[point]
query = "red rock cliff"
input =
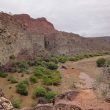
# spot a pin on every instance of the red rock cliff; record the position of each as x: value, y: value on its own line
x: 40, y: 25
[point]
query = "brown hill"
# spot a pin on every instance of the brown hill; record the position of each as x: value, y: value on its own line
x: 25, y: 37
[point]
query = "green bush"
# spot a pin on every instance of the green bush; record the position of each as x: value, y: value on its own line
x: 38, y: 61
x: 51, y: 81
x: 33, y: 79
x: 54, y: 59
x: 71, y: 59
x: 12, y: 79
x: 25, y: 81
x: 39, y: 72
x: 62, y: 59
x: 43, y: 92
x: 53, y: 78
x: 22, y: 88
x: 50, y: 95
x: 101, y: 62
x: 40, y: 92
x: 52, y: 66
x: 19, y: 66
x: 31, y: 63
x: 3, y: 75
x: 15, y: 102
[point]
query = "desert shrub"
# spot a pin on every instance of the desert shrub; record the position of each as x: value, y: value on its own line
x: 40, y: 92
x: 12, y: 79
x: 22, y: 88
x: 31, y: 63
x: 71, y: 58
x: 79, y: 57
x: 50, y: 95
x: 39, y: 72
x: 18, y: 66
x: 76, y: 58
x: 33, y: 79
x: 44, y: 64
x: 3, y: 75
x: 15, y: 102
x: 46, y: 58
x: 51, y: 81
x: 38, y: 61
x: 47, y: 81
x: 53, y: 78
x: 54, y: 59
x: 52, y: 66
x: 25, y: 81
x: 62, y: 59
x: 22, y: 66
x: 43, y: 92
x: 50, y: 77
x: 101, y: 62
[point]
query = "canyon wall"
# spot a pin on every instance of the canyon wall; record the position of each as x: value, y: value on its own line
x: 26, y: 37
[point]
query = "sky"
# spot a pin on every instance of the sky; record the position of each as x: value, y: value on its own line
x: 84, y: 17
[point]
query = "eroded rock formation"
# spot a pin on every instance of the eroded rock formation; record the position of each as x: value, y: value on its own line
x: 25, y: 37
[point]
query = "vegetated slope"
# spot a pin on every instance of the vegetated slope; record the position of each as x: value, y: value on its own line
x: 25, y: 37
x: 77, y: 93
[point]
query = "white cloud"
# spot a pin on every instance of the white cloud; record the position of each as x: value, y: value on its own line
x: 80, y: 16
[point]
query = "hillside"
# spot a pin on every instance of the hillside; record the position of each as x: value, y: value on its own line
x: 26, y: 37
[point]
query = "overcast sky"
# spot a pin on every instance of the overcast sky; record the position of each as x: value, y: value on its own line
x: 85, y: 17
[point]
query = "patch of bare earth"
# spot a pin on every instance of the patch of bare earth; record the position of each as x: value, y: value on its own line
x: 80, y: 76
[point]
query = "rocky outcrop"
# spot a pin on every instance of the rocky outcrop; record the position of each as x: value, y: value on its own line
x: 25, y: 38
x: 5, y: 104
x: 59, y: 106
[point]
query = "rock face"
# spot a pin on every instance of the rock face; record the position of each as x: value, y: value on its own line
x: 25, y: 37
